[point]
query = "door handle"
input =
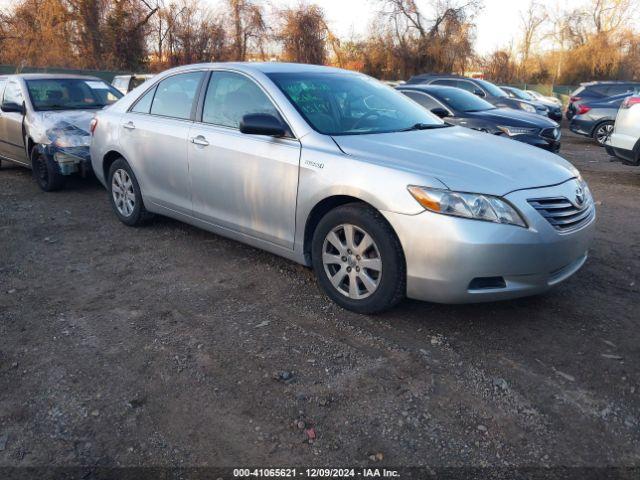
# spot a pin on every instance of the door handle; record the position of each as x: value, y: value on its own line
x: 129, y: 126
x: 199, y: 140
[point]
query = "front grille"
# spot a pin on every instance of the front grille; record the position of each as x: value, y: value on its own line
x: 562, y: 214
x: 552, y: 133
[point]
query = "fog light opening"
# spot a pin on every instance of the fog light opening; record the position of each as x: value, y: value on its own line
x: 487, y: 283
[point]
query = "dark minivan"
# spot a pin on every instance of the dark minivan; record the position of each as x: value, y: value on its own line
x: 595, y: 119
x: 590, y: 91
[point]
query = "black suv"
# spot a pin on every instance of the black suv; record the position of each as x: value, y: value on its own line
x: 590, y: 91
x: 487, y: 90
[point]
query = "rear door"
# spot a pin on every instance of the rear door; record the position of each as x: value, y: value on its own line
x: 246, y: 183
x: 11, y: 134
x: 153, y: 136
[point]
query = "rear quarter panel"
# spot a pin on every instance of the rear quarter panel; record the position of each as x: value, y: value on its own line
x: 104, y: 140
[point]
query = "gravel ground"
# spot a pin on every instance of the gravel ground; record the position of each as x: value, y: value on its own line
x: 170, y: 346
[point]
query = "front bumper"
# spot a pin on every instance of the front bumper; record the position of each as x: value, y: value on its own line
x: 555, y: 115
x: 550, y: 144
x: 446, y: 255
x: 70, y: 160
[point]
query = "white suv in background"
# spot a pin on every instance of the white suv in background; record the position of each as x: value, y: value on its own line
x: 624, y: 142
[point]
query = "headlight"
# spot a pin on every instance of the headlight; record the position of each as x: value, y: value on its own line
x: 528, y: 108
x: 513, y: 131
x: 468, y: 205
x: 67, y: 141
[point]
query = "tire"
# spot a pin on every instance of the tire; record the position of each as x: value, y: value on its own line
x: 126, y: 200
x: 367, y: 290
x: 46, y: 172
x: 602, y: 132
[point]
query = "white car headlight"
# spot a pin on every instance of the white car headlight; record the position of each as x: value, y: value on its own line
x: 513, y: 131
x: 475, y: 206
x: 527, y: 107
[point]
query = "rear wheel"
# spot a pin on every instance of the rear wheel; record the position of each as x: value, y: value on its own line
x: 358, y: 259
x: 125, y: 194
x: 602, y: 133
x: 46, y: 172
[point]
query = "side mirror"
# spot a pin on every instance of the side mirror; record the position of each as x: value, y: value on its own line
x: 13, y: 107
x: 479, y: 93
x: 440, y: 112
x: 262, y: 124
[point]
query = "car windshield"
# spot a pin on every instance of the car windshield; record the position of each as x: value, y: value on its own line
x: 351, y: 104
x: 491, y: 88
x: 461, y: 100
x: 70, y: 94
x: 522, y: 95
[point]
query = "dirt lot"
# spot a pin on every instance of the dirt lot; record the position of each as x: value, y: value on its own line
x: 170, y: 346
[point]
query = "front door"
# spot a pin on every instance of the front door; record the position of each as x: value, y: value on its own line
x: 247, y: 183
x: 153, y: 135
x: 11, y: 137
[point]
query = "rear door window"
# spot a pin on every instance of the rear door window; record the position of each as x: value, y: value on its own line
x: 423, y: 99
x: 446, y: 81
x: 598, y: 90
x: 618, y: 89
x: 175, y: 95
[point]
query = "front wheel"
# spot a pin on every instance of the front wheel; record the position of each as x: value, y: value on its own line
x: 46, y: 172
x: 602, y: 133
x: 358, y: 259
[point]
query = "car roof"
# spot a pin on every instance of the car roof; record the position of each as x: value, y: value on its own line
x: 428, y: 88
x: 440, y: 75
x: 266, y: 67
x: 609, y: 82
x: 46, y: 76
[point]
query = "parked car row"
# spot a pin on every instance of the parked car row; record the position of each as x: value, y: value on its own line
x: 329, y: 168
x: 552, y: 109
x: 482, y: 88
x: 460, y: 107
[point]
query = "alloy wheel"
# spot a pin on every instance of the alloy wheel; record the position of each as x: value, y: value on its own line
x: 603, y: 133
x: 352, y: 261
x: 124, y: 196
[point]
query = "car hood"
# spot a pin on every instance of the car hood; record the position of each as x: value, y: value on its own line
x: 509, y: 116
x: 463, y: 159
x: 60, y: 120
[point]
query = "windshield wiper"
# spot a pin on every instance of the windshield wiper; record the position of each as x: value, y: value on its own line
x: 425, y: 126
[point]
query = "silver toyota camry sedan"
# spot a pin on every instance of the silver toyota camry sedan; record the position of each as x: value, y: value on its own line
x: 337, y: 171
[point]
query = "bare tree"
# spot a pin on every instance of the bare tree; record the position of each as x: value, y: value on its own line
x: 442, y: 42
x: 248, y: 27
x: 303, y: 34
x: 531, y: 22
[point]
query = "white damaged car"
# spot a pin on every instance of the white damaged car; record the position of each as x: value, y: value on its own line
x: 45, y: 121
